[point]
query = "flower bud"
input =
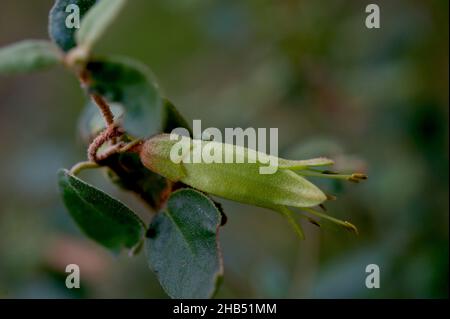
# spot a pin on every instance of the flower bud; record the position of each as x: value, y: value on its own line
x: 241, y: 182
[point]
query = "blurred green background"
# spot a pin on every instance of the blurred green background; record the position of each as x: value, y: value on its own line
x: 375, y: 100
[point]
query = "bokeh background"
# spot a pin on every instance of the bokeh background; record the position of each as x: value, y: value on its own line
x: 375, y: 100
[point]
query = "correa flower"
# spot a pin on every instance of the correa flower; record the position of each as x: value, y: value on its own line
x: 243, y: 181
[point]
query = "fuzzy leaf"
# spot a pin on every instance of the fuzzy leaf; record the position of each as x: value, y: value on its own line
x: 59, y: 33
x: 182, y: 246
x: 28, y: 56
x: 101, y: 217
x: 132, y: 85
x: 97, y: 21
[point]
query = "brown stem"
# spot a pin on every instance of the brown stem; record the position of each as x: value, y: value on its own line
x: 110, y: 151
x: 109, y: 133
x: 132, y: 147
x: 104, y: 108
x: 83, y: 76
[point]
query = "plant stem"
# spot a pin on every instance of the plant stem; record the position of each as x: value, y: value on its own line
x: 81, y: 166
x: 130, y: 145
x: 103, y: 106
x: 108, y: 116
x: 109, y: 133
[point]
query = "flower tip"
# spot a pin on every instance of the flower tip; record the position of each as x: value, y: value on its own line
x: 314, y: 222
x: 351, y: 227
x: 359, y: 176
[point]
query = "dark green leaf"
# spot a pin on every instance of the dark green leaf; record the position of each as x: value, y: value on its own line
x: 101, y: 217
x: 97, y: 21
x: 27, y: 56
x: 59, y: 33
x: 182, y: 246
x: 132, y: 85
x: 173, y: 119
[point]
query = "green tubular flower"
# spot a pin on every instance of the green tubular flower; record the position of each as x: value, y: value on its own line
x: 242, y: 181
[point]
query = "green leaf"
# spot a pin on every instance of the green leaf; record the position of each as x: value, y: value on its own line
x: 182, y: 246
x: 101, y: 217
x: 59, y: 33
x: 97, y: 21
x: 28, y: 56
x: 132, y: 85
x: 173, y: 118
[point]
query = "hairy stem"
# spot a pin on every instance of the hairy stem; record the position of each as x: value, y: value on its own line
x: 104, y: 108
x: 101, y: 103
x: 111, y: 132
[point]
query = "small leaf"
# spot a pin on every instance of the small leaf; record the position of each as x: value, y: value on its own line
x: 182, y: 246
x: 63, y: 36
x: 132, y: 85
x: 97, y: 21
x: 28, y: 56
x: 173, y: 118
x: 101, y: 217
